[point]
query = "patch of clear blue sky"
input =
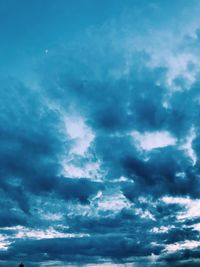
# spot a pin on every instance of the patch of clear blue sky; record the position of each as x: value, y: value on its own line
x: 28, y: 27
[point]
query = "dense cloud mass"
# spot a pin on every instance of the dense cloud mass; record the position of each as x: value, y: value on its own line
x: 99, y: 133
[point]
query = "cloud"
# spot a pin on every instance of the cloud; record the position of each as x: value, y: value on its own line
x: 153, y: 140
x: 99, y: 147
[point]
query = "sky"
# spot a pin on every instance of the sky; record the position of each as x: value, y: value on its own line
x: 99, y: 133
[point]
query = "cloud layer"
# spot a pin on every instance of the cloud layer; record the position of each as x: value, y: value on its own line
x: 99, y: 128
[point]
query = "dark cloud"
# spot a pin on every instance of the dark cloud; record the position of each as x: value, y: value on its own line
x: 109, y: 200
x: 184, y: 257
x: 72, y: 248
x: 31, y: 143
x: 80, y: 189
x: 10, y: 218
x: 159, y: 174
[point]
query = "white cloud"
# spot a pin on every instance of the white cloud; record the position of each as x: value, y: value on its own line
x: 80, y: 133
x: 192, y: 206
x: 145, y: 214
x: 52, y: 216
x: 4, y: 242
x: 25, y: 232
x: 80, y: 162
x: 187, y: 145
x: 151, y: 140
x: 196, y: 227
x: 112, y: 201
x: 121, y: 179
x: 177, y: 64
x: 187, y: 244
x: 161, y: 229
x: 89, y: 170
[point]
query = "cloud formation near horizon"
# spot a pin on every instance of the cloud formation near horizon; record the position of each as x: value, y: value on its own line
x: 99, y: 127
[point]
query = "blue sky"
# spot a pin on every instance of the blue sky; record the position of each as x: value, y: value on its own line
x: 100, y: 136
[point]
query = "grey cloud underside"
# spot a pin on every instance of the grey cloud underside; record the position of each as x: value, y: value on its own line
x: 36, y: 196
